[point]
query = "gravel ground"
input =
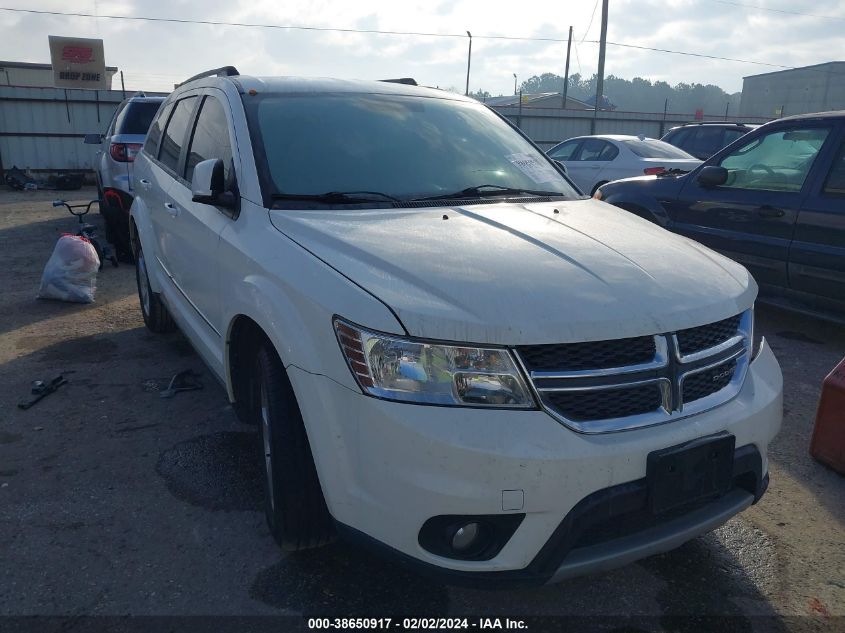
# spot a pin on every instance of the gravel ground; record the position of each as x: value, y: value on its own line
x: 116, y: 502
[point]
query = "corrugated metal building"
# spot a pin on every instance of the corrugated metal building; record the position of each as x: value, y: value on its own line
x: 35, y: 75
x: 42, y: 129
x: 810, y: 89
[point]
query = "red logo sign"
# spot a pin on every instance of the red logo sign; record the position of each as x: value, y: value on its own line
x: 78, y: 54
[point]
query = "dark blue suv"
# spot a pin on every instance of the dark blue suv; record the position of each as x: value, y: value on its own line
x: 773, y: 200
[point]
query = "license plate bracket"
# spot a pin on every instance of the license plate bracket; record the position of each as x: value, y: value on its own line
x: 689, y: 472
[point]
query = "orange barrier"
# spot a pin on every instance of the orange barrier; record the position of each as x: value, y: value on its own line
x: 828, y: 443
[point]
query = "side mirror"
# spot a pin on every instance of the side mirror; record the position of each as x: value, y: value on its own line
x: 562, y: 167
x: 208, y: 186
x: 712, y: 176
x: 93, y: 139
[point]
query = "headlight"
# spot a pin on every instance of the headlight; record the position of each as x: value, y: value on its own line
x: 407, y: 370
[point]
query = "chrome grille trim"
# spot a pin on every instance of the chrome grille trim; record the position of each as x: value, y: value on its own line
x: 668, y: 369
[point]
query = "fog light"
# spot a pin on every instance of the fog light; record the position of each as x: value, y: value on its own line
x: 468, y: 536
x: 465, y: 537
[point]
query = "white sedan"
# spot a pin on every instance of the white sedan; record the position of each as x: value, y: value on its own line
x: 592, y: 161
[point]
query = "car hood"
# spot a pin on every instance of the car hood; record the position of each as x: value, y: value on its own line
x: 524, y: 273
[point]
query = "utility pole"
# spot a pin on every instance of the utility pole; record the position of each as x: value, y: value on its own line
x: 566, y: 72
x: 514, y: 83
x: 122, y: 85
x: 469, y: 61
x: 600, y: 78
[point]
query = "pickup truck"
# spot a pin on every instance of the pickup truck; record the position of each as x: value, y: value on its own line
x: 449, y: 354
x: 773, y: 200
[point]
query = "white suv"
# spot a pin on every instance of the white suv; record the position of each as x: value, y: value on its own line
x: 450, y: 354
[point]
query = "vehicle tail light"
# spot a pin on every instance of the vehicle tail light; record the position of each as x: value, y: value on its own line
x: 653, y: 171
x: 124, y: 152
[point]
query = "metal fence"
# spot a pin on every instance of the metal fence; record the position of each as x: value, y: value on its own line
x: 41, y: 129
x: 549, y: 126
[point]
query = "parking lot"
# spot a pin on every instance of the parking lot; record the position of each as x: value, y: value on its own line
x: 115, y: 501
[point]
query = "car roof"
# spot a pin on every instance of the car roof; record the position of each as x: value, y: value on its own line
x: 323, y: 85
x: 145, y: 99
x: 613, y: 137
x: 833, y: 114
x: 717, y: 123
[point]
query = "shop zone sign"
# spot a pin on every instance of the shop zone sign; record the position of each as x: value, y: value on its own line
x: 78, y: 63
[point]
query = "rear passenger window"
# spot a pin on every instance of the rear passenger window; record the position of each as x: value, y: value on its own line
x: 834, y: 185
x: 678, y: 138
x: 210, y: 139
x: 154, y: 135
x: 707, y: 141
x: 174, y: 134
x: 732, y: 135
x: 609, y: 152
x: 593, y: 149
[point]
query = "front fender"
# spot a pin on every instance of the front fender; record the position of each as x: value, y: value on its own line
x: 292, y: 296
x: 639, y: 204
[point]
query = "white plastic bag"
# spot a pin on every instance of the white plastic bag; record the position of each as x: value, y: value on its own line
x: 71, y: 271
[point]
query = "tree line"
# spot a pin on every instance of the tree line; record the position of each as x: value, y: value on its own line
x: 637, y: 94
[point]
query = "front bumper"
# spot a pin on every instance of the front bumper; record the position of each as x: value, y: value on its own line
x: 387, y: 467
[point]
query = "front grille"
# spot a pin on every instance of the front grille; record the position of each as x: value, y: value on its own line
x: 594, y: 355
x: 705, y: 383
x: 605, y: 404
x: 604, y: 386
x: 696, y: 339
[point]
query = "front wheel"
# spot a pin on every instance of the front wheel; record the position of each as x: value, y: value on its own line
x: 156, y: 317
x: 294, y: 504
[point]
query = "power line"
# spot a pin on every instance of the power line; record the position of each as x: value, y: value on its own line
x: 590, y: 23
x: 785, y: 11
x: 688, y: 54
x: 385, y: 32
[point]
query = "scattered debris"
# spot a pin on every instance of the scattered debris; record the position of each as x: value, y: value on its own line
x: 186, y: 380
x: 150, y: 386
x: 41, y: 390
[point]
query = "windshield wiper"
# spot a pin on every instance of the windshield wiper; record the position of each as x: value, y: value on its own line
x: 485, y: 191
x: 337, y: 197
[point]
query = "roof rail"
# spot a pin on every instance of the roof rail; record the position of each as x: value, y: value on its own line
x: 408, y: 81
x: 715, y: 123
x: 224, y: 71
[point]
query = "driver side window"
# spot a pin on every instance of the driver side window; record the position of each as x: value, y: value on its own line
x: 777, y: 161
x: 565, y: 151
x: 210, y: 140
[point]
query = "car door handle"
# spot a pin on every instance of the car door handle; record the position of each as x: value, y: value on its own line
x: 172, y: 209
x: 767, y: 211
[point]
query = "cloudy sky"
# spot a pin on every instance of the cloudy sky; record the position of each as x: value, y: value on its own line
x: 155, y: 55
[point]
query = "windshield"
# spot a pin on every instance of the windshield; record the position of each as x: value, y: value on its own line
x: 652, y: 148
x: 405, y: 147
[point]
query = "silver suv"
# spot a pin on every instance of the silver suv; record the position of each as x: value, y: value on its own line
x: 119, y: 146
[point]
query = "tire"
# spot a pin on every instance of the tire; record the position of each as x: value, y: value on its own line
x: 156, y: 317
x: 293, y: 501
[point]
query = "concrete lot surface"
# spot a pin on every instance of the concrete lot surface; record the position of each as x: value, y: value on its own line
x: 114, y: 501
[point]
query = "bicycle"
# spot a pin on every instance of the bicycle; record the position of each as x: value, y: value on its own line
x: 89, y: 231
